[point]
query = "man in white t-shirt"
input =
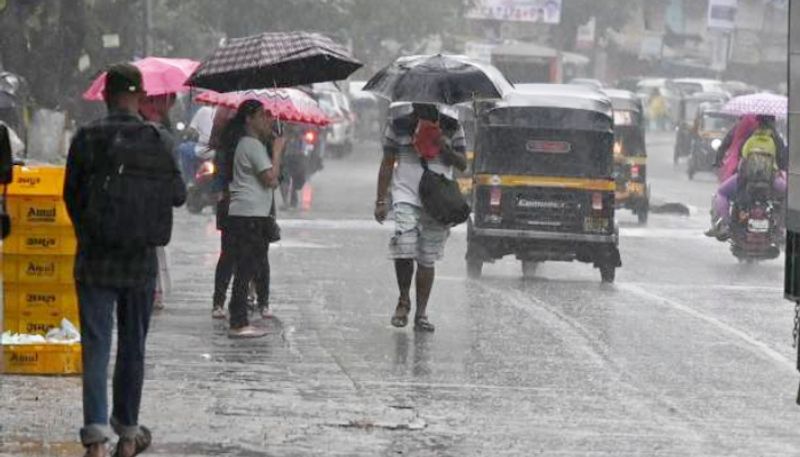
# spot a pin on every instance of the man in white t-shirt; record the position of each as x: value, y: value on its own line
x: 191, y: 154
x: 418, y: 237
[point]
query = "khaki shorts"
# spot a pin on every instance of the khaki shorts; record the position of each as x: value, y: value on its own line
x: 417, y: 236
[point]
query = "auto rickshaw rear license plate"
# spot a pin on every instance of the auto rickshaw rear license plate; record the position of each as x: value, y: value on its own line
x: 595, y: 224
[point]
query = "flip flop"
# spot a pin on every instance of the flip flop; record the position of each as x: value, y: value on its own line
x: 142, y: 441
x: 400, y: 318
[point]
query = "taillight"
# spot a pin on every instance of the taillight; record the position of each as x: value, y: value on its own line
x: 495, y: 197
x: 597, y: 201
x: 206, y: 169
x: 635, y: 171
x: 310, y: 137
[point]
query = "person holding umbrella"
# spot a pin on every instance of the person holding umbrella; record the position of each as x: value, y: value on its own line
x: 418, y: 237
x: 254, y: 178
x: 424, y: 139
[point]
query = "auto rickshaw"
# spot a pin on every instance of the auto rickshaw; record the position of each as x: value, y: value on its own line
x: 687, y: 111
x: 710, y: 127
x: 543, y: 186
x: 466, y: 117
x: 630, y: 154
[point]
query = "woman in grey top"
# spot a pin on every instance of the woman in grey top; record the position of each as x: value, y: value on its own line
x: 255, y: 176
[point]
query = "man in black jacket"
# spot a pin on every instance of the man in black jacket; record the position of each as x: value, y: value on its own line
x: 106, y: 277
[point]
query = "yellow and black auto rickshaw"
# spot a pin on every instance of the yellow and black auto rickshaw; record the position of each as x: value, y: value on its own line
x: 630, y: 154
x: 543, y: 186
x: 466, y: 116
x: 710, y: 127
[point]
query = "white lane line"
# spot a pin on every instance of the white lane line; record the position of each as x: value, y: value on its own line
x: 756, y: 344
x: 713, y: 287
x: 435, y: 385
x: 388, y: 226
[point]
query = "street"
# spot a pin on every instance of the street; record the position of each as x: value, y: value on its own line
x: 688, y: 354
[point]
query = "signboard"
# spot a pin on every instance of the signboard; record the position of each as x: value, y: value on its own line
x: 722, y: 14
x: 540, y: 11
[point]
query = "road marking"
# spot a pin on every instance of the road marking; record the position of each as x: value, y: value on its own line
x: 714, y: 322
x: 293, y: 244
x: 435, y: 385
x: 388, y: 226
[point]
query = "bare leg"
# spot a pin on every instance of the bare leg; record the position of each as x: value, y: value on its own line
x: 425, y: 276
x: 404, y: 269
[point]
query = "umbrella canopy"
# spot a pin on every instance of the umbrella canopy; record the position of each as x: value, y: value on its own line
x: 159, y: 74
x: 290, y: 105
x: 446, y: 79
x: 763, y: 103
x: 272, y: 60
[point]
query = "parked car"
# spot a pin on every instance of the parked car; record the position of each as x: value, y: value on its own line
x: 340, y: 134
x: 691, y: 86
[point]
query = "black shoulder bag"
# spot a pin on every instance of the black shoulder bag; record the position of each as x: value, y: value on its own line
x: 442, y: 198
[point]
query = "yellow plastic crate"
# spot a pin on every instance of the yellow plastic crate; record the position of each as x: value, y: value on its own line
x: 41, y: 180
x: 44, y: 359
x: 38, y: 269
x: 37, y: 322
x: 37, y: 212
x: 40, y: 241
x: 60, y: 298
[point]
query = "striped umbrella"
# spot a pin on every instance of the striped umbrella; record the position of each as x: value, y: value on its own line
x: 290, y: 105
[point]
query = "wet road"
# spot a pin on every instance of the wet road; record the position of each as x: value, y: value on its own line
x: 688, y: 354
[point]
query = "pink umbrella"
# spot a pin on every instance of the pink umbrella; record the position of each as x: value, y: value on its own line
x: 290, y: 105
x: 762, y: 103
x: 161, y: 76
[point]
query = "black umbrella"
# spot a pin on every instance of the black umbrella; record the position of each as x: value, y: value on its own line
x: 274, y: 60
x: 446, y: 79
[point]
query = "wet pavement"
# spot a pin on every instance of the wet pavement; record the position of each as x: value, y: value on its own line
x: 688, y: 354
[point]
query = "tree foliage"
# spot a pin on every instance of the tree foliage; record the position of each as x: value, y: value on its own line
x: 44, y: 40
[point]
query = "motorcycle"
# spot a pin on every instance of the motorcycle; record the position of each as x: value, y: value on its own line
x: 301, y: 161
x: 201, y: 192
x: 756, y: 224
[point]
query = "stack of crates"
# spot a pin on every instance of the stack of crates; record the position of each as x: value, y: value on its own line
x: 38, y: 284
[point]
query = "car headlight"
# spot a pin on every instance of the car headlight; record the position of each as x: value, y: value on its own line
x: 716, y: 143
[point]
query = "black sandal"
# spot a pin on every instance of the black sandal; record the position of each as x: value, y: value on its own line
x: 422, y: 324
x: 142, y: 441
x: 400, y: 318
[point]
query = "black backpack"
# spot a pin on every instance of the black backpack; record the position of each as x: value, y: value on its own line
x: 442, y: 198
x: 131, y: 189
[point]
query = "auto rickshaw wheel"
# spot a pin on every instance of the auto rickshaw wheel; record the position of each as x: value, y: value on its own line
x: 643, y: 214
x: 474, y: 268
x: 608, y: 273
x: 529, y: 268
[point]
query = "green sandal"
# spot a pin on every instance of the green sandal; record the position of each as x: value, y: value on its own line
x: 400, y: 318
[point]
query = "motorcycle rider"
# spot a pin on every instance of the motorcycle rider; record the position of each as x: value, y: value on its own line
x: 764, y: 141
x: 296, y: 164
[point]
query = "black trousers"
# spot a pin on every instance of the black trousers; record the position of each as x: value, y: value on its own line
x: 250, y: 250
x: 224, y: 272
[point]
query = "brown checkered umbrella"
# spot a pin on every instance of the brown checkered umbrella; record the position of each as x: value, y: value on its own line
x: 274, y: 60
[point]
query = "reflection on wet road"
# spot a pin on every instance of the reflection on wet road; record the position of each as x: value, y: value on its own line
x: 689, y: 353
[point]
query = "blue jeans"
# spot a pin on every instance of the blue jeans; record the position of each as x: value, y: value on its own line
x: 188, y: 160
x: 134, y: 306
